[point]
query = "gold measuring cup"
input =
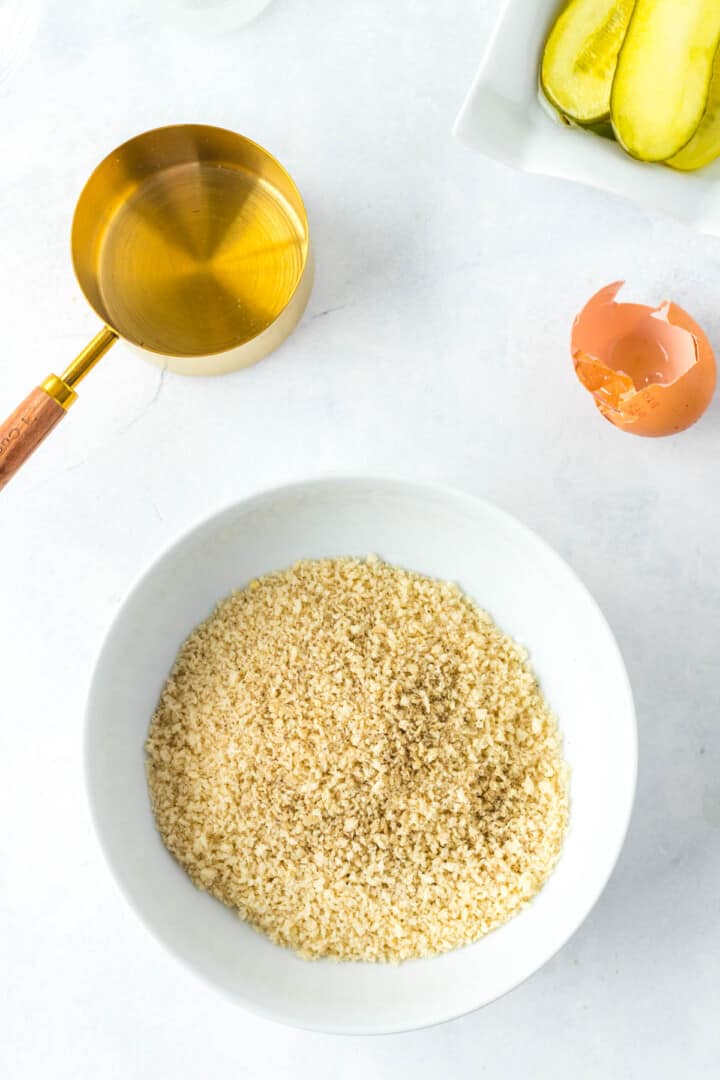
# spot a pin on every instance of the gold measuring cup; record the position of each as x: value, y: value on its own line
x: 192, y: 244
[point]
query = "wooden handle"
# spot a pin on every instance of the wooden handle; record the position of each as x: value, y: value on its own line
x: 25, y: 429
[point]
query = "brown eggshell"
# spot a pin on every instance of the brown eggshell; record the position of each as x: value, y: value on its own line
x: 650, y: 370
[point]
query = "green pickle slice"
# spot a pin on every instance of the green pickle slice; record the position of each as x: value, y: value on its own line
x: 580, y: 55
x: 664, y: 75
x: 704, y: 146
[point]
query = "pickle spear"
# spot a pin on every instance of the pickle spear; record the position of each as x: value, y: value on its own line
x: 580, y: 55
x: 704, y: 146
x: 663, y: 77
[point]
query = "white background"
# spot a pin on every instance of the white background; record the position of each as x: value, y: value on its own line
x: 435, y: 346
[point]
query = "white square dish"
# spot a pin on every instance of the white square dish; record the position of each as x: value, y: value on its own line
x: 505, y: 118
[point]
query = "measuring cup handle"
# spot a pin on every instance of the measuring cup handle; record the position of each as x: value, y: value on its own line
x: 25, y: 429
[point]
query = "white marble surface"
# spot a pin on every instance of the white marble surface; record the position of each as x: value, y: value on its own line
x: 435, y: 346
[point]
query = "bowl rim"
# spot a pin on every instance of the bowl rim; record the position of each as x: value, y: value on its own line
x: 310, y: 484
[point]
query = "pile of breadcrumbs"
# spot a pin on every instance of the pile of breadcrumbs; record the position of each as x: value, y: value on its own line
x: 359, y: 762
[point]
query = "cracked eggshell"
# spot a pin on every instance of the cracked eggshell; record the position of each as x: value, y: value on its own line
x: 650, y: 370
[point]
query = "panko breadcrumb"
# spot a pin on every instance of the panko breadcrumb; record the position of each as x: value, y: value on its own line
x: 359, y: 762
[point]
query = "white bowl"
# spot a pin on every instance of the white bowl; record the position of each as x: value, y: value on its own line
x: 528, y: 590
x: 504, y: 118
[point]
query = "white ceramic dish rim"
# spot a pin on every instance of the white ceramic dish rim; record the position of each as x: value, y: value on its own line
x: 324, y: 481
x: 504, y: 118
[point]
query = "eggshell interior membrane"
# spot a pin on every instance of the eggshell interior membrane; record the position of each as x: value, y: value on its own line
x: 650, y: 370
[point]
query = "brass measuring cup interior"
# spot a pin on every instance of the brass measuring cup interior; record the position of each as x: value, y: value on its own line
x: 192, y: 244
